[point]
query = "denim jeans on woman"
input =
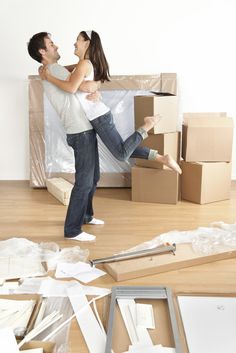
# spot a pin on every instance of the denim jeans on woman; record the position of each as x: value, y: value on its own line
x: 121, y: 150
x: 80, y: 209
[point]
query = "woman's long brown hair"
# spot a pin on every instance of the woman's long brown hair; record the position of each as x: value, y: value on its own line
x: 97, y: 57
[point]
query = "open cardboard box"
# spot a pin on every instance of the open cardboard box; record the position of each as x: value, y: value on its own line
x: 159, y: 103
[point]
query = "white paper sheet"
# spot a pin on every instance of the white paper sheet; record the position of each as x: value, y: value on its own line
x: 136, y: 333
x: 8, y: 341
x: 92, y: 332
x: 81, y: 271
x: 144, y: 315
x: 209, y: 323
x: 15, y: 313
x: 12, y: 267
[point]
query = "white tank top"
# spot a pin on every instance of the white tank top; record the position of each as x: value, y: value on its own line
x: 92, y: 109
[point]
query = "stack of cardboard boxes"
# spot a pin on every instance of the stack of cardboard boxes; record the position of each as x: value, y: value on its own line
x: 207, y: 150
x: 151, y: 181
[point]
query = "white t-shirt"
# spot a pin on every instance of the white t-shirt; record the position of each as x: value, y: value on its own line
x: 67, y: 105
x: 92, y: 109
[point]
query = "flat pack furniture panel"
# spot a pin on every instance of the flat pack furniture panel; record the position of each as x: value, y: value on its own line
x: 184, y: 257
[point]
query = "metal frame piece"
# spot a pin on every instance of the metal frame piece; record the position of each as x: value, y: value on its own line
x: 126, y: 292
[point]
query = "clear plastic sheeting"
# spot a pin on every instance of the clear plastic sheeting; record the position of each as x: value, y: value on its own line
x: 68, y: 255
x: 59, y: 156
x: 25, y: 247
x: 205, y: 240
x: 61, y: 338
x: 48, y: 252
x: 50, y: 156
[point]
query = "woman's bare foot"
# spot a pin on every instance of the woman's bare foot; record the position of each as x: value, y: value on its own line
x: 150, y: 121
x: 169, y: 162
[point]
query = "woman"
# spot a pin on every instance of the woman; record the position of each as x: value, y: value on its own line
x: 93, y: 66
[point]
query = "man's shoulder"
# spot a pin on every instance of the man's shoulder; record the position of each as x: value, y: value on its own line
x: 58, y: 71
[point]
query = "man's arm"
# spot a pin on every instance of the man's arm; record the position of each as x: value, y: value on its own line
x: 90, y: 86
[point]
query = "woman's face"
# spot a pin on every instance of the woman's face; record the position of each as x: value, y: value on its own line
x: 81, y: 45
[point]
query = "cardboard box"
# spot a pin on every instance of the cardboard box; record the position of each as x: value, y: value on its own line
x: 154, y: 185
x: 168, y: 143
x: 205, y: 182
x: 207, y: 137
x: 159, y: 103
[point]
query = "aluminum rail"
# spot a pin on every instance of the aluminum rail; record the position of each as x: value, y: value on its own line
x: 135, y: 254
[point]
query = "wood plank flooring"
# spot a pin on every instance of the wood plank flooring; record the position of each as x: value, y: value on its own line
x: 38, y: 216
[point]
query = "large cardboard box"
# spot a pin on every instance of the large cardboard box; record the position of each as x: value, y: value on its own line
x: 159, y: 103
x: 168, y: 143
x: 154, y: 185
x: 205, y: 182
x: 207, y: 137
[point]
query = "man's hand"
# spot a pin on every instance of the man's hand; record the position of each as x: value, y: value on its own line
x: 43, y: 71
x: 94, y: 97
x: 90, y: 86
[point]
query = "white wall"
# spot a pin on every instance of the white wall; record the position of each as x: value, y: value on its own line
x: 195, y: 38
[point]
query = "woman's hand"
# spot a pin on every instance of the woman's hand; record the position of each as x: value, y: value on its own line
x: 43, y: 72
x: 94, y: 97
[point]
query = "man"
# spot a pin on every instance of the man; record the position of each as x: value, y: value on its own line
x: 80, y: 136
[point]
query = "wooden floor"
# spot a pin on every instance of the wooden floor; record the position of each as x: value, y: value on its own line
x: 38, y: 216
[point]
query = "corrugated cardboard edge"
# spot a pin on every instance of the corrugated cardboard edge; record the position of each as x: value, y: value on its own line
x: 159, y: 82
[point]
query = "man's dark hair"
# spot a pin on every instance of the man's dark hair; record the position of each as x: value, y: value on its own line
x: 36, y: 43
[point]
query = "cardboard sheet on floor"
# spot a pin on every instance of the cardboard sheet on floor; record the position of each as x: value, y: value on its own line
x: 184, y: 257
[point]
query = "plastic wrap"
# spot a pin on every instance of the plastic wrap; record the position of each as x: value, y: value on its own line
x: 50, y: 156
x: 205, y: 240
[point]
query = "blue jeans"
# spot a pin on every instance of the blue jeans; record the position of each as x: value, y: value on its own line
x: 80, y: 209
x: 121, y: 150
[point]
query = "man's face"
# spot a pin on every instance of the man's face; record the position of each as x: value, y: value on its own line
x: 50, y: 54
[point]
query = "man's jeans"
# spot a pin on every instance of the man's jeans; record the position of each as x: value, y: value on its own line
x: 80, y: 209
x: 121, y: 150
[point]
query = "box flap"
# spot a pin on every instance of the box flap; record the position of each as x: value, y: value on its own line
x: 209, y: 122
